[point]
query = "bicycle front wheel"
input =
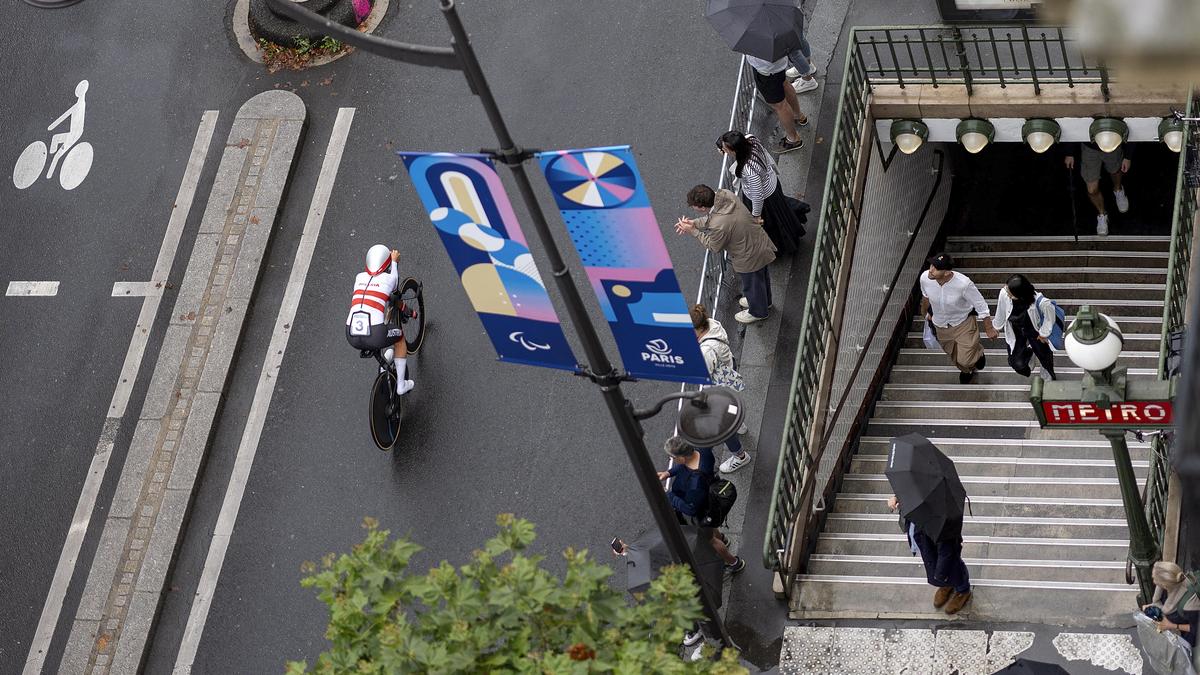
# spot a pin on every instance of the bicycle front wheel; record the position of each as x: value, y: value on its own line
x: 385, y: 429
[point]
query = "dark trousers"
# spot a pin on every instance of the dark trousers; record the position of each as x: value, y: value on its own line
x: 944, y: 565
x: 1027, y: 346
x: 756, y: 286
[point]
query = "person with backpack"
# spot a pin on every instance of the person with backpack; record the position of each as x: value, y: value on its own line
x: 722, y: 370
x: 692, y: 476
x: 1032, y: 326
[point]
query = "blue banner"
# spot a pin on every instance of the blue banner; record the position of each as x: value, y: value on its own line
x: 476, y: 223
x: 608, y: 215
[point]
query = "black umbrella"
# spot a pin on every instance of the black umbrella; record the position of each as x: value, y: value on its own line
x: 768, y: 29
x: 648, y: 553
x: 1027, y: 667
x: 926, y: 483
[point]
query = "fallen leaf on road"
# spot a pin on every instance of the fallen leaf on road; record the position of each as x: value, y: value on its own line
x: 255, y: 220
x: 326, y: 82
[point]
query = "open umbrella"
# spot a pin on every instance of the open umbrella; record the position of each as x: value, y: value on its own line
x: 648, y: 553
x: 1027, y: 667
x: 926, y: 483
x: 768, y: 29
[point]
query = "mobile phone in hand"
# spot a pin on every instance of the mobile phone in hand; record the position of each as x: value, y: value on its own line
x: 617, y: 545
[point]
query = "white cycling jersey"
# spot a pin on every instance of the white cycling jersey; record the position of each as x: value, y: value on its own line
x: 372, y: 292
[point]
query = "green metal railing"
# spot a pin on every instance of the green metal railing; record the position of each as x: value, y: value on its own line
x: 1174, y: 308
x: 897, y: 55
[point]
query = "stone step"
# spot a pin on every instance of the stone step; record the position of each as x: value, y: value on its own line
x: 1041, y: 274
x: 1047, y: 507
x: 894, y: 543
x: 999, y: 374
x: 1027, y: 262
x: 1141, y: 342
x: 957, y: 392
x: 1043, y: 602
x: 961, y: 411
x: 918, y: 356
x: 1097, y: 293
x: 1149, y: 324
x: 999, y: 526
x: 1013, y: 466
x: 1003, y: 486
x: 1084, y: 445
x: 1093, y: 571
x: 958, y: 245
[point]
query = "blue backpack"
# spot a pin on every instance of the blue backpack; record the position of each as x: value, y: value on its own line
x: 1057, y: 333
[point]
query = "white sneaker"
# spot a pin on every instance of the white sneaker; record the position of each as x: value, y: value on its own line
x: 1102, y: 224
x: 792, y: 73
x: 802, y: 85
x: 692, y: 638
x: 745, y: 304
x: 734, y: 463
x: 745, y: 316
x: 1122, y: 200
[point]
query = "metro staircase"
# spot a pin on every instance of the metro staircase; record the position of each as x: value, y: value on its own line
x: 1047, y: 540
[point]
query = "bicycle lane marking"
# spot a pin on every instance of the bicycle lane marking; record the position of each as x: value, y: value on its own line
x: 116, y: 410
x: 263, y: 392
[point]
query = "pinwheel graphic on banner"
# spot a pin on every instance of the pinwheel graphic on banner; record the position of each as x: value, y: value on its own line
x: 608, y: 215
x: 476, y: 223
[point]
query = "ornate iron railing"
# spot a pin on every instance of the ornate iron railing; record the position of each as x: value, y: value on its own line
x: 1174, y: 319
x: 1003, y: 55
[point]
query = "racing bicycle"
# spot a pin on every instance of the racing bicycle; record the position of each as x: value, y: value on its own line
x: 408, y: 309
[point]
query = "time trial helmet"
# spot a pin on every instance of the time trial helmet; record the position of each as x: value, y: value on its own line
x: 378, y: 257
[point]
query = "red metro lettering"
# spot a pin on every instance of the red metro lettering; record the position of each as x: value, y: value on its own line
x: 1127, y: 413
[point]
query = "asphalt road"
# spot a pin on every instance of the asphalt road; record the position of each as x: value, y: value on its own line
x: 483, y: 437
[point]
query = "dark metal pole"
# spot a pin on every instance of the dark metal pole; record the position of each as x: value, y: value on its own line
x: 606, y: 376
x: 1143, y: 550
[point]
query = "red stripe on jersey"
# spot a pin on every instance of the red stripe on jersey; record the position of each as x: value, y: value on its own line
x: 365, y: 302
x: 373, y: 294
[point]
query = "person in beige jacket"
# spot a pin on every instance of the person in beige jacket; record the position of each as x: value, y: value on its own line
x: 725, y: 225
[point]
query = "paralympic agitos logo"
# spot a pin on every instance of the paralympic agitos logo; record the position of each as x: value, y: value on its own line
x: 660, y: 352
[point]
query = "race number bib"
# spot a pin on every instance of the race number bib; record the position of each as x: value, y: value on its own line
x: 360, y: 324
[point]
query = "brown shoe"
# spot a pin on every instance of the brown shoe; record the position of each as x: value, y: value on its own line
x: 941, y: 596
x: 957, y: 601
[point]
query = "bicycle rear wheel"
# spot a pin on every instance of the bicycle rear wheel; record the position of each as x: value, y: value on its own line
x: 413, y: 298
x: 385, y: 429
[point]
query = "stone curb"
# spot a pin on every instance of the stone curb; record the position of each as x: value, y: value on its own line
x: 125, y: 585
x: 245, y: 40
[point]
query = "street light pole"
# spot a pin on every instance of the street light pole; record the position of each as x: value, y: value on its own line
x: 600, y: 370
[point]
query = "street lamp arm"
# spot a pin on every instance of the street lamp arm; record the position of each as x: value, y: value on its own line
x: 420, y: 55
x: 646, y: 413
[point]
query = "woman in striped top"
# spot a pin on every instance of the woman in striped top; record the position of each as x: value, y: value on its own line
x: 761, y: 190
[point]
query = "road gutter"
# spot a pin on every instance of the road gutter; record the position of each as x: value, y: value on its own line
x: 126, y: 582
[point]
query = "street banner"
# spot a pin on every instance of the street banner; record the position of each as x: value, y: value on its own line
x: 607, y: 212
x: 472, y: 214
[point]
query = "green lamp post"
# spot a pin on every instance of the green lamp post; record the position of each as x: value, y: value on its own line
x: 1106, y: 400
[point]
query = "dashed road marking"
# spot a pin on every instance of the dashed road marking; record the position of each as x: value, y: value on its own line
x: 28, y: 288
x: 137, y: 289
x: 263, y: 392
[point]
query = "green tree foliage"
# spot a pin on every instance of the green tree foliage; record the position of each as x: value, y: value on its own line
x: 502, y: 612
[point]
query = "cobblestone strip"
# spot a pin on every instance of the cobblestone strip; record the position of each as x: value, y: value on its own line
x: 137, y: 545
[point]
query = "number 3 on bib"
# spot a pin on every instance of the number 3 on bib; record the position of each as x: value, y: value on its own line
x: 360, y: 324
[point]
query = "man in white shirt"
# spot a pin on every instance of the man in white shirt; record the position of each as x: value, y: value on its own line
x: 948, y: 298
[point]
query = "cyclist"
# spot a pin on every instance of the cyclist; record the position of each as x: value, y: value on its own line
x: 366, y: 327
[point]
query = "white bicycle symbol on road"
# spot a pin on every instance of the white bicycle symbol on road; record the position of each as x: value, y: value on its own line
x: 76, y: 157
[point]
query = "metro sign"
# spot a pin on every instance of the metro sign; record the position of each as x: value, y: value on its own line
x: 1138, y: 414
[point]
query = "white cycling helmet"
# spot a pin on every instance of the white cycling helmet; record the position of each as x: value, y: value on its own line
x: 378, y: 258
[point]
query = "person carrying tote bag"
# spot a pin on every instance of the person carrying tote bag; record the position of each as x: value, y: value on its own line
x: 1028, y: 319
x: 722, y: 370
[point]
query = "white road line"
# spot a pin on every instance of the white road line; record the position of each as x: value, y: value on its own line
x: 44, y: 288
x: 116, y: 410
x: 137, y: 289
x: 263, y: 392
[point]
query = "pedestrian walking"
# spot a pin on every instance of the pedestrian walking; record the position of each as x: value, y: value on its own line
x: 1027, y: 318
x: 948, y: 300
x: 762, y: 191
x: 725, y: 225
x: 691, y: 473
x: 1091, y: 158
x: 722, y: 370
x: 942, y: 558
x: 771, y: 80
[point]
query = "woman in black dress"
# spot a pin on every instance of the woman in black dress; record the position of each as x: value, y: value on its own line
x: 762, y: 192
